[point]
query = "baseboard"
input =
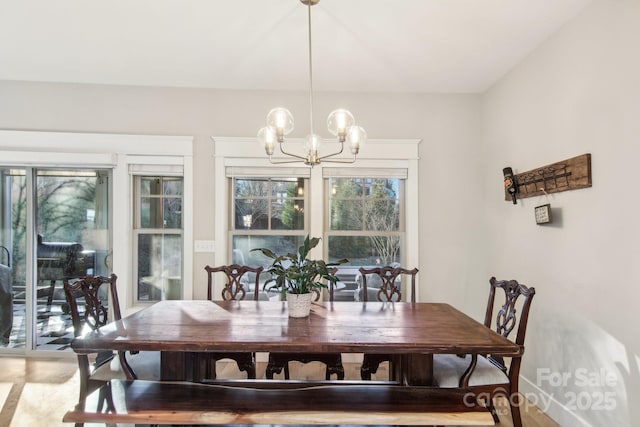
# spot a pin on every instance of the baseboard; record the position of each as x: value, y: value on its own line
x: 549, y: 405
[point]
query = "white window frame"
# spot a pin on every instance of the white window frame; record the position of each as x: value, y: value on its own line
x: 375, y: 154
x: 118, y: 152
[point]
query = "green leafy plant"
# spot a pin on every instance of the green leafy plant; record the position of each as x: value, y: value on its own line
x: 296, y: 274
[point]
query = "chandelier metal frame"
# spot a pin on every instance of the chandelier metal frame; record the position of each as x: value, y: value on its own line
x: 340, y: 123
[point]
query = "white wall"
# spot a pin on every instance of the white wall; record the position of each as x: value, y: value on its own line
x: 578, y: 93
x: 447, y: 124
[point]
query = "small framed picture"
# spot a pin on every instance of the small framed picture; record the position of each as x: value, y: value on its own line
x: 543, y: 214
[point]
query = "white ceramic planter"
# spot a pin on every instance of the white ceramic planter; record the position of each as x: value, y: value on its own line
x: 299, y: 305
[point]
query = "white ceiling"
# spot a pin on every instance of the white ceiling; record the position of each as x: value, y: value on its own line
x: 358, y: 45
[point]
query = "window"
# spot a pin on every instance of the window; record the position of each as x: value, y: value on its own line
x: 116, y: 160
x: 158, y: 237
x: 267, y: 212
x: 269, y: 203
x: 365, y: 220
x: 372, y: 215
x: 70, y: 226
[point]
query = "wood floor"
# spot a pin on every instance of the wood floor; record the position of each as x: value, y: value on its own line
x: 37, y: 392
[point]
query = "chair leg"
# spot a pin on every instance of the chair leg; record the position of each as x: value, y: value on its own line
x: 128, y: 371
x: 338, y: 370
x: 272, y: 369
x: 514, y: 403
x: 488, y: 402
x: 286, y: 371
x: 365, y: 373
x: 52, y: 289
x: 370, y: 365
x: 334, y: 366
x: 248, y: 365
x: 251, y: 373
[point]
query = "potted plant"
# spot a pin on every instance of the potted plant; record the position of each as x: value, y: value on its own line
x: 297, y: 276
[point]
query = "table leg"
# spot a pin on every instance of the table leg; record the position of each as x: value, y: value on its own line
x: 177, y: 366
x: 413, y: 369
x: 396, y: 368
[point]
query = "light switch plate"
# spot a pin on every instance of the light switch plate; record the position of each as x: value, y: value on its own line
x: 204, y: 246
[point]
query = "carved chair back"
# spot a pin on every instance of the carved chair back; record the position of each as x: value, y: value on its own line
x: 507, y: 318
x: 389, y: 282
x: 96, y: 301
x: 478, y: 372
x: 96, y: 314
x: 234, y: 287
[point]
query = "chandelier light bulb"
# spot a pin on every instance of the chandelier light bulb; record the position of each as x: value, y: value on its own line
x: 356, y: 137
x: 281, y: 120
x: 267, y: 137
x: 312, y: 142
x: 339, y: 122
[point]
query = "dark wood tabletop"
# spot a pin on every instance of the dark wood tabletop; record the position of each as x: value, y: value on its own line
x: 264, y: 326
x: 412, y: 331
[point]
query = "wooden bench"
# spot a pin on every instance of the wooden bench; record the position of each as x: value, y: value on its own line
x: 274, y: 402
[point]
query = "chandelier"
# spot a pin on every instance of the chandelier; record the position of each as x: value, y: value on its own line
x: 340, y: 124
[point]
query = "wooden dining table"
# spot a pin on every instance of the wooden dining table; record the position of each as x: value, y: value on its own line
x: 411, y: 332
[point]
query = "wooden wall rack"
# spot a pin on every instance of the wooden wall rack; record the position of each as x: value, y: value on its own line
x: 570, y: 174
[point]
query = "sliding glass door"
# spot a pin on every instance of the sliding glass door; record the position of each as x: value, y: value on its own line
x: 55, y: 227
x: 13, y: 268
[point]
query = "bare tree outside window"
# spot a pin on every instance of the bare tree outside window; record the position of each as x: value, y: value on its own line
x: 382, y: 213
x: 365, y: 216
x: 63, y: 200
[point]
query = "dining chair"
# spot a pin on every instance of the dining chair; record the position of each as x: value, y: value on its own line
x: 390, y: 280
x: 236, y: 287
x: 90, y: 299
x: 489, y: 376
x: 6, y: 297
x: 332, y: 361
